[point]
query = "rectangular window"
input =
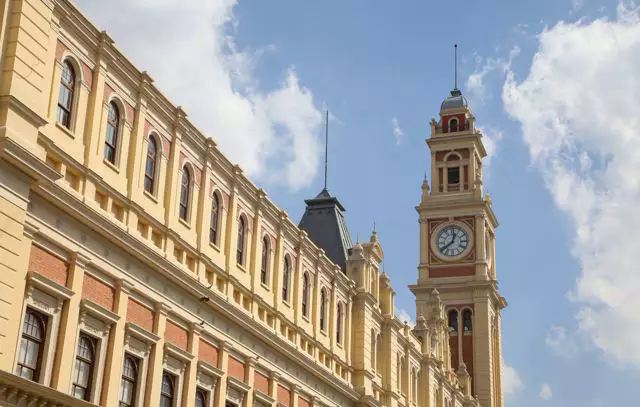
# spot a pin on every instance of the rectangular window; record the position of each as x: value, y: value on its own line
x: 453, y: 175
x: 34, y: 333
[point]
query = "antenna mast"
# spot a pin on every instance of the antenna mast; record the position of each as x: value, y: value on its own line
x: 326, y: 147
x: 455, y: 64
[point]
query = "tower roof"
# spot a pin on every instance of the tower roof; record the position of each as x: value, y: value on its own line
x: 324, y: 222
x: 454, y: 101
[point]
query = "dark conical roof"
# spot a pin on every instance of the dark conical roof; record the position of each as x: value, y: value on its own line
x: 324, y: 222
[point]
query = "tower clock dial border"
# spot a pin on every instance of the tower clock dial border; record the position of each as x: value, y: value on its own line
x: 451, y: 225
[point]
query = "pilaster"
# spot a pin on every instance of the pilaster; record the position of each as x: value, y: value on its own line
x: 63, y: 364
x: 115, y: 347
x: 156, y: 357
x: 191, y: 371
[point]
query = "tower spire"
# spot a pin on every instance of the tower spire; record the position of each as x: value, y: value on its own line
x: 326, y: 147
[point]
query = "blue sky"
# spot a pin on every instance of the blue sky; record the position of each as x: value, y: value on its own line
x: 259, y: 73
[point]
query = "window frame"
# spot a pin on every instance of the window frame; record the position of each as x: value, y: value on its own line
x: 287, y: 268
x: 305, y: 294
x: 150, y: 182
x: 115, y: 124
x: 72, y: 90
x: 41, y: 342
x: 241, y: 241
x: 89, y: 389
x: 265, y: 260
x: 339, y: 322
x: 214, y: 220
x: 133, y: 381
x: 323, y: 309
x: 173, y: 385
x: 186, y: 190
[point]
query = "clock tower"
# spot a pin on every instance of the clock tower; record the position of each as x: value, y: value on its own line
x: 457, y: 249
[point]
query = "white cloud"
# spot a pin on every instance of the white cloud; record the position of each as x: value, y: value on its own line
x: 545, y: 392
x: 511, y: 381
x: 476, y: 85
x: 578, y: 109
x: 404, y: 316
x: 188, y: 47
x: 398, y: 133
x: 561, y: 341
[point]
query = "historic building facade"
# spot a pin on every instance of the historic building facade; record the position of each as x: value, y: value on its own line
x: 140, y: 267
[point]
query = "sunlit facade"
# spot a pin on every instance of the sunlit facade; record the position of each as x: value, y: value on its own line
x: 140, y: 267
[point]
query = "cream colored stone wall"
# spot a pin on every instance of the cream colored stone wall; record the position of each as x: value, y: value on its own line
x: 58, y: 192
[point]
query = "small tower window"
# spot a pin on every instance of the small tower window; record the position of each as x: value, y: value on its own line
x: 453, y: 322
x: 453, y: 175
x: 241, y: 242
x: 467, y: 320
x: 453, y: 125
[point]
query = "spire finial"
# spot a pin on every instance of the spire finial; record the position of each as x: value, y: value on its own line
x: 455, y: 63
x: 326, y: 147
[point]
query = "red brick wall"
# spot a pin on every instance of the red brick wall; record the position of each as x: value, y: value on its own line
x: 236, y: 368
x: 453, y: 346
x: 454, y: 271
x: 140, y: 315
x: 261, y: 383
x: 467, y: 356
x: 302, y: 402
x: 48, y: 265
x: 176, y: 335
x: 284, y: 396
x: 208, y: 353
x: 98, y: 292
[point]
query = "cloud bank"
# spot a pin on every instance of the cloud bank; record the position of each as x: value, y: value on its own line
x: 578, y: 109
x: 188, y: 48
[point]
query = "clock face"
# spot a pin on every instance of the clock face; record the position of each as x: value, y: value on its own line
x: 452, y: 240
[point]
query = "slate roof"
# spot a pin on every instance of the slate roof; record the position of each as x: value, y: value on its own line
x: 454, y: 101
x: 324, y: 222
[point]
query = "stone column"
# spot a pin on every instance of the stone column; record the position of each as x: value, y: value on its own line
x: 115, y: 348
x: 273, y: 387
x: 68, y: 330
x: 156, y: 357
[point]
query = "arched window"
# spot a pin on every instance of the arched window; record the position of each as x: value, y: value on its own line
x: 85, y: 360
x: 34, y: 331
x: 286, y: 278
x: 151, y: 165
x: 403, y: 376
x: 373, y: 350
x: 66, y: 94
x: 339, y: 322
x: 414, y: 384
x: 167, y: 392
x: 201, y: 398
x: 113, y: 128
x: 185, y: 193
x: 323, y: 309
x: 241, y: 241
x: 129, y: 381
x: 305, y: 294
x: 453, y: 322
x: 215, y: 219
x: 379, y: 360
x: 467, y: 320
x: 453, y: 125
x: 264, y: 265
